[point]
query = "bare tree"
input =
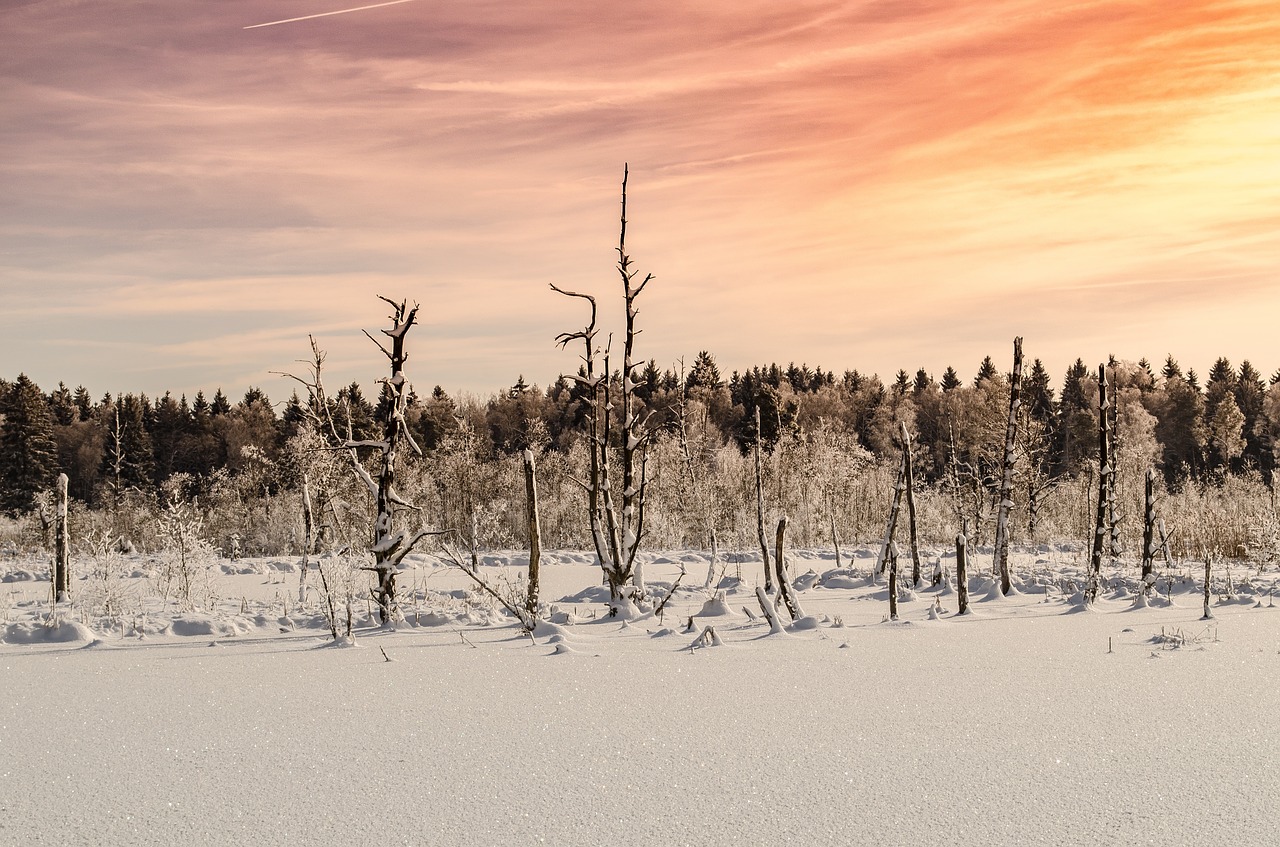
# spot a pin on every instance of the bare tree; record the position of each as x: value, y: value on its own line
x: 61, y: 545
x: 764, y: 543
x: 1006, y: 477
x: 389, y: 545
x: 1101, y: 536
x: 616, y: 527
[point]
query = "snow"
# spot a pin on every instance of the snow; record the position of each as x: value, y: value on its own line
x: 1011, y: 726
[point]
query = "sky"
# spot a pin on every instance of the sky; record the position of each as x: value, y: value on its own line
x: 870, y: 185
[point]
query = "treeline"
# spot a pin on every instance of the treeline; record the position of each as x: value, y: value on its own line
x: 1192, y: 432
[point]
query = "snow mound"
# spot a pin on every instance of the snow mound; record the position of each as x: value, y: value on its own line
x: 548, y: 629
x: 202, y: 625
x: 33, y: 632
x: 805, y: 581
x: 841, y: 578
x: 716, y: 607
x: 19, y: 575
x: 805, y: 623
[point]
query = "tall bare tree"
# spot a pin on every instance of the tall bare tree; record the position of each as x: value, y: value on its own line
x: 617, y: 526
x: 389, y: 544
x: 1101, y: 536
x: 1007, y: 464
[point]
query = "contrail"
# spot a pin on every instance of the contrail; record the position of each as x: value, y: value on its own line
x: 327, y: 14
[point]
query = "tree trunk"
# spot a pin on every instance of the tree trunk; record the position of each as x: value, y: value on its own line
x: 893, y: 581
x: 1100, y: 534
x: 835, y: 539
x: 1006, y: 477
x: 908, y: 479
x: 891, y: 525
x: 61, y: 545
x: 785, y: 589
x: 1113, y: 494
x: 308, y: 538
x: 962, y: 574
x: 764, y: 542
x: 535, y: 534
x: 1208, y: 570
x: 1149, y: 529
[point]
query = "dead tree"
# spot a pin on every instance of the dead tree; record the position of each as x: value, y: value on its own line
x: 61, y: 545
x: 1208, y: 572
x: 893, y: 581
x: 308, y: 538
x: 1100, y: 533
x: 909, y: 479
x: 535, y: 534
x: 389, y: 545
x: 785, y: 589
x: 1149, y: 528
x: 616, y: 528
x: 1114, y: 512
x: 962, y: 574
x: 895, y: 505
x: 1006, y: 477
x: 764, y: 543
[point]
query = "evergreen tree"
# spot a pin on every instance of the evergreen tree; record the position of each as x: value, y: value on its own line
x: 950, y: 380
x: 1171, y: 369
x: 1179, y: 412
x: 220, y: 404
x: 62, y: 405
x: 1250, y: 394
x: 128, y: 461
x: 28, y: 454
x: 1077, y: 419
x: 986, y: 371
x: 84, y: 403
x: 901, y: 384
x: 704, y: 373
x: 921, y: 383
x: 169, y: 432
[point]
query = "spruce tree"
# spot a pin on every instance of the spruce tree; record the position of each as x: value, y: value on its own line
x: 28, y: 454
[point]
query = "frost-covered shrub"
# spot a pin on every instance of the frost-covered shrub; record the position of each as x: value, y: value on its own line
x: 186, y: 563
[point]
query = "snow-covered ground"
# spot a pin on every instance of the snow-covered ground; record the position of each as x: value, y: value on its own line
x: 1030, y: 721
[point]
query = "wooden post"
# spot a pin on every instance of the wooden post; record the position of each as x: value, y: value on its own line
x: 1006, y: 479
x: 62, y: 545
x: 535, y: 534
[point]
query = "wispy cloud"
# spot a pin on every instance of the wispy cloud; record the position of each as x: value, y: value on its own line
x: 919, y: 180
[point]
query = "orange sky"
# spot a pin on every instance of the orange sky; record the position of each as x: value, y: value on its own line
x: 865, y: 184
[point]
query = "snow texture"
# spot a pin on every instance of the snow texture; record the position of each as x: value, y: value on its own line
x: 1023, y: 724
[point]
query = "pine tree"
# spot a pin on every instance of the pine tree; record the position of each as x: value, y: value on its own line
x: 62, y: 405
x: 84, y: 403
x: 987, y: 370
x: 704, y: 373
x: 28, y: 454
x: 1250, y: 394
x: 950, y: 379
x: 220, y: 404
x: 1077, y: 420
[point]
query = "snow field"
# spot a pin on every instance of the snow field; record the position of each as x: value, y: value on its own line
x: 1014, y: 725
